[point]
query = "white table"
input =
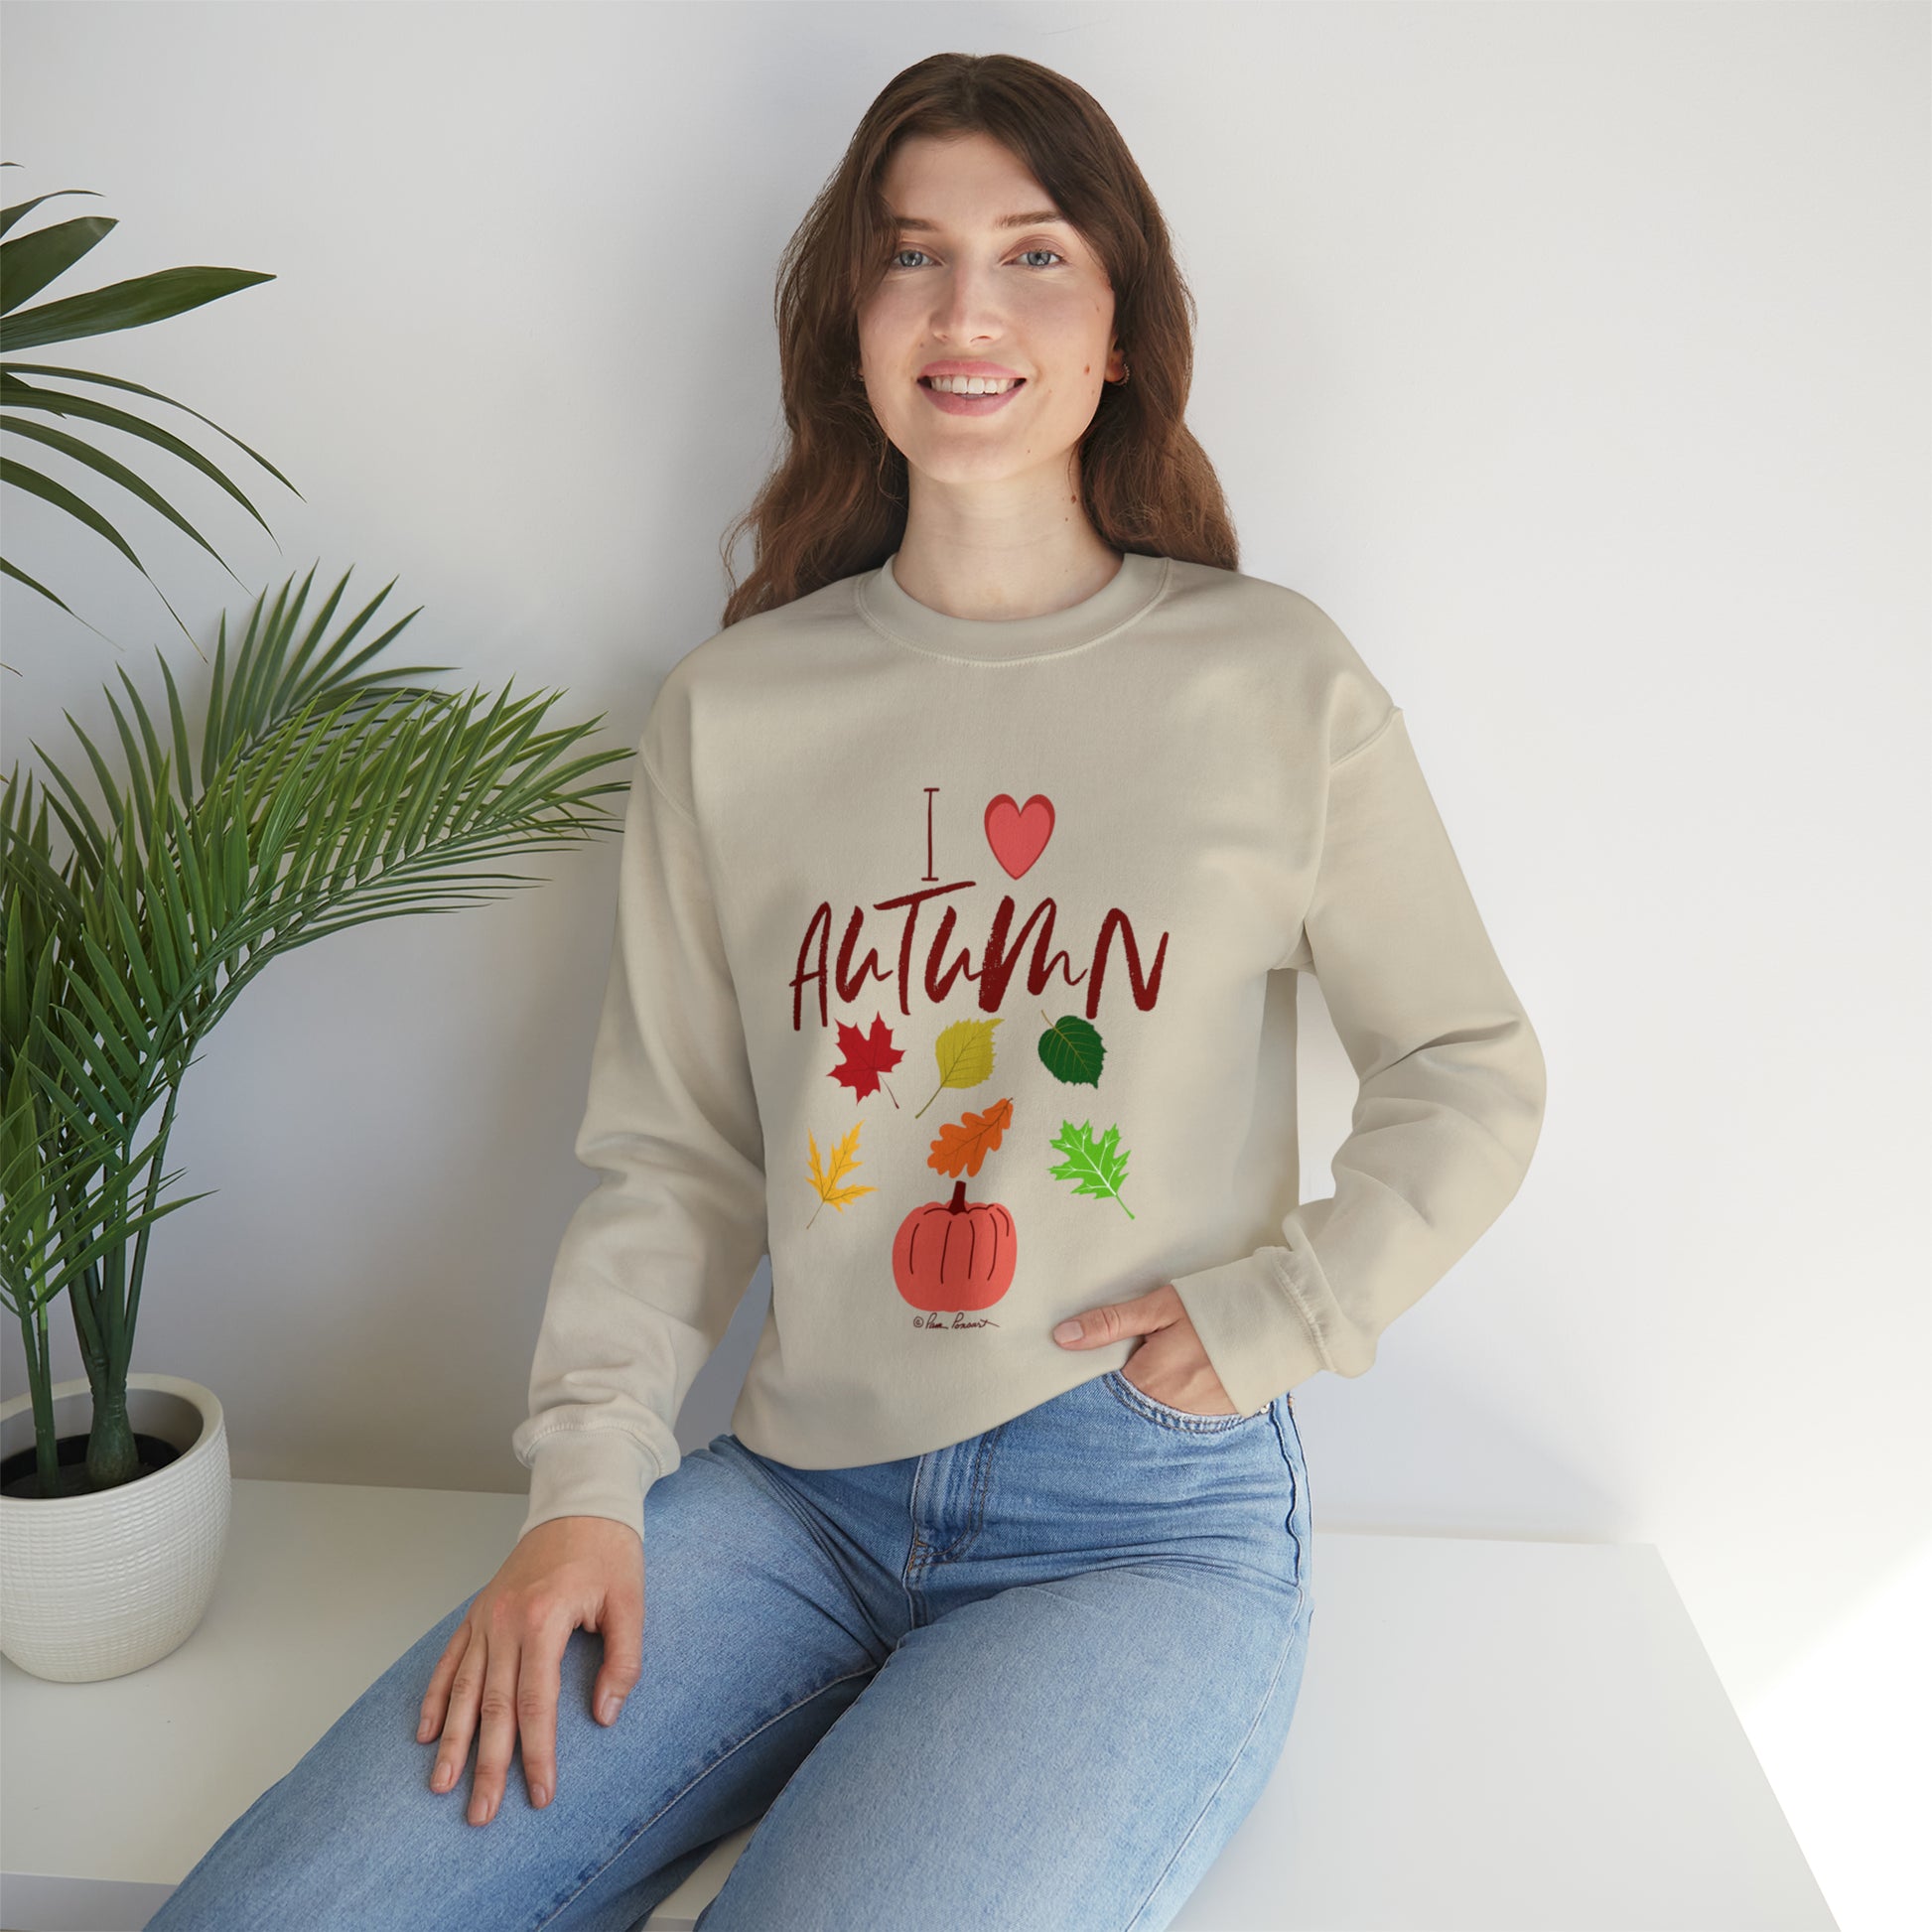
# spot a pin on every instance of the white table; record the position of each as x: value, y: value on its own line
x: 1493, y: 1735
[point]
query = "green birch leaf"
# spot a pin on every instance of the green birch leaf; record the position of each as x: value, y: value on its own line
x: 1072, y: 1050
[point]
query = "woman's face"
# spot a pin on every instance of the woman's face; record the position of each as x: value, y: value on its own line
x: 1032, y: 299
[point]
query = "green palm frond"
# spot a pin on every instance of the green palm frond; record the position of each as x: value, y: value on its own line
x: 324, y: 796
x: 28, y: 264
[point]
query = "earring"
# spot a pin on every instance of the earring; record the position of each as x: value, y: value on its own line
x: 1126, y: 373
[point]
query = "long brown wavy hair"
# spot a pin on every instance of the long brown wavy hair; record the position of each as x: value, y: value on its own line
x: 835, y: 503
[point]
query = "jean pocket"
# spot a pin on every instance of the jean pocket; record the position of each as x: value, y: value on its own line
x: 1182, y: 1421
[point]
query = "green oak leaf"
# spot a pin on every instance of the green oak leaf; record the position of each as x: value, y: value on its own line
x: 1096, y: 1166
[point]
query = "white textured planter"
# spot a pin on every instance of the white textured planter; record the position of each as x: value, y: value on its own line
x: 97, y: 1586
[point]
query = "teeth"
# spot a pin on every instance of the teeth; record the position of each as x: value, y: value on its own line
x: 972, y: 385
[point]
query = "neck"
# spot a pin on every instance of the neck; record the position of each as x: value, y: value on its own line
x: 991, y: 571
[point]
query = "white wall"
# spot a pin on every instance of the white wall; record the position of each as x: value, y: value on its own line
x: 1572, y: 357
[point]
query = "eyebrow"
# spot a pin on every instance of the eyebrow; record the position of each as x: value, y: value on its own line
x: 1034, y: 220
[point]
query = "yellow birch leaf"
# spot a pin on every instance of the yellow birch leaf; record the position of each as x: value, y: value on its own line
x: 965, y: 1055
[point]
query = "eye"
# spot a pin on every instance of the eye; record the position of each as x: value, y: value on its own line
x: 895, y: 259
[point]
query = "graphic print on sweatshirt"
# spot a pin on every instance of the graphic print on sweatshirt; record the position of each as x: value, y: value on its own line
x: 952, y: 1258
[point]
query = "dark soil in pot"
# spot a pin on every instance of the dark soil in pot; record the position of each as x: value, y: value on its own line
x: 18, y: 1478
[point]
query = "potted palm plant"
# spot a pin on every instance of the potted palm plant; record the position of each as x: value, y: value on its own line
x: 320, y: 795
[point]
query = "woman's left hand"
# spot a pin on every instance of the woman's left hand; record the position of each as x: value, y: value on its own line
x: 1173, y: 1366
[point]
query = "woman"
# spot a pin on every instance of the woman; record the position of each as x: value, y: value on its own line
x: 954, y: 872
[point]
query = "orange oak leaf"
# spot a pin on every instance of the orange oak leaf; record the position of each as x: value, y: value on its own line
x: 867, y: 1056
x: 965, y: 1143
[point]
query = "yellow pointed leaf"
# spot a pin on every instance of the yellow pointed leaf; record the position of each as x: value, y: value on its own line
x: 845, y: 1156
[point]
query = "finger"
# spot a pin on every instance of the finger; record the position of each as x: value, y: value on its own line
x: 1145, y: 1314
x: 536, y: 1710
x: 624, y: 1652
x: 460, y: 1721
x: 496, y: 1735
x: 436, y: 1697
x: 1102, y: 1324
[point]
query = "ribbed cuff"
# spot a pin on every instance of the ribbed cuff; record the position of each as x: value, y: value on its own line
x: 589, y: 1472
x: 1256, y: 1340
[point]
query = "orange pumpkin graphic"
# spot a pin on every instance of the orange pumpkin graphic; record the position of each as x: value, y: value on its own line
x: 956, y: 1254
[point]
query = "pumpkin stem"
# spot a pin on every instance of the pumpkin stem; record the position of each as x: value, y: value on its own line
x: 957, y: 1206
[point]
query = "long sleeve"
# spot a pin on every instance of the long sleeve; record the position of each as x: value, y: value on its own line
x: 1451, y: 1101
x: 654, y: 1260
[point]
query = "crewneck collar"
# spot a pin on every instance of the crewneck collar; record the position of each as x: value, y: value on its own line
x: 1133, y: 590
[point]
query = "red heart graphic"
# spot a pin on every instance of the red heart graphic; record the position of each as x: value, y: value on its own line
x: 1019, y: 834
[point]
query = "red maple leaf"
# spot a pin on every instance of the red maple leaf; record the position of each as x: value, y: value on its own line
x: 867, y: 1056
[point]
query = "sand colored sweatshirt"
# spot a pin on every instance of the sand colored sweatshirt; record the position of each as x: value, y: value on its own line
x: 942, y: 950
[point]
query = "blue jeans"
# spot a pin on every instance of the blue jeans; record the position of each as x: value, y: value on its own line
x: 1033, y: 1680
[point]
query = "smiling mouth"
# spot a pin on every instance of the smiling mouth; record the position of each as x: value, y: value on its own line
x: 1019, y: 382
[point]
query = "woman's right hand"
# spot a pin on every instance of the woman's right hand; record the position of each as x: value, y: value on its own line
x: 506, y: 1656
